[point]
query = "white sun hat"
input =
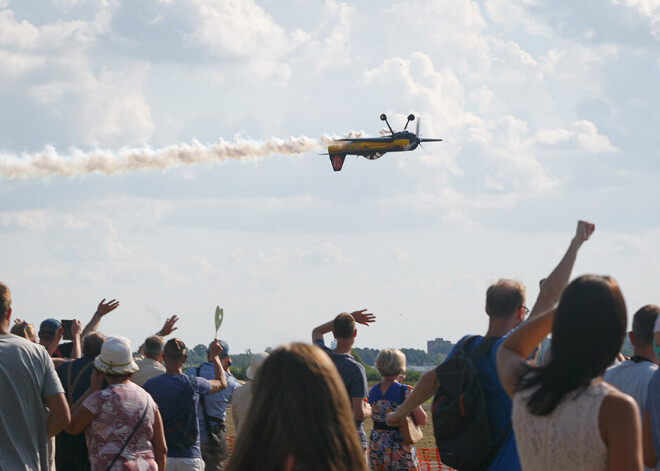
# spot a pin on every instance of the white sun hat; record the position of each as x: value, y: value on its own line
x: 255, y: 363
x: 116, y: 357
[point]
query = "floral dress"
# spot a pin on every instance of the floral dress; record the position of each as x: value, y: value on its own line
x: 118, y: 409
x: 387, y: 452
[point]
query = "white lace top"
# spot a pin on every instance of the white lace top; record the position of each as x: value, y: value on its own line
x: 568, y: 438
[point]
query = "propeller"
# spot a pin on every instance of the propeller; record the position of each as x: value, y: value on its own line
x: 419, y: 120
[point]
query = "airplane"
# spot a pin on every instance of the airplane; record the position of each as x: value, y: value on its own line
x: 373, y: 148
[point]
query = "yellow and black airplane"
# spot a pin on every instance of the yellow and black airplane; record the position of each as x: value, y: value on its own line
x: 375, y: 147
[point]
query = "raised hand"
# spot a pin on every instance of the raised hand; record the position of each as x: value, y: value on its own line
x: 58, y: 335
x: 362, y: 317
x: 168, y: 327
x: 105, y: 308
x: 215, y: 349
x: 76, y: 327
x: 584, y: 230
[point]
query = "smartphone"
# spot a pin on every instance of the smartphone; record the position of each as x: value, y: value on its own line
x: 66, y: 325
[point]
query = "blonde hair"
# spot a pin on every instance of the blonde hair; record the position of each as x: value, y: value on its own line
x: 391, y: 362
x: 300, y: 411
x: 25, y: 330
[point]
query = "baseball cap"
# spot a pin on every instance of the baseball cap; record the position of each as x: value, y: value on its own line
x: 225, y: 349
x: 49, y: 326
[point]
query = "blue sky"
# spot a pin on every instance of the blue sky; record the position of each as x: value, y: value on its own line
x: 548, y: 114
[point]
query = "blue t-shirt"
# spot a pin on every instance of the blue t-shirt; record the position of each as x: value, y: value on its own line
x: 354, y: 377
x: 216, y: 404
x: 177, y: 397
x: 393, y: 393
x: 498, y: 406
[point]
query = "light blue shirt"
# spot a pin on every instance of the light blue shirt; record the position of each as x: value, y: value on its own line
x: 216, y: 404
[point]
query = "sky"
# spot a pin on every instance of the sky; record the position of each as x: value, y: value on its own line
x: 167, y: 154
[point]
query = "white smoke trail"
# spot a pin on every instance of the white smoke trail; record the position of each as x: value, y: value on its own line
x: 49, y: 162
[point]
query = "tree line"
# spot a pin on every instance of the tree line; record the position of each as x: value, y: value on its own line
x: 366, y: 356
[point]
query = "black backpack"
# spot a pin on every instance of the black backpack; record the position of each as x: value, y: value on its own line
x: 460, y: 419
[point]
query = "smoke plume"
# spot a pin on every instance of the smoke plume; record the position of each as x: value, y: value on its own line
x: 49, y: 162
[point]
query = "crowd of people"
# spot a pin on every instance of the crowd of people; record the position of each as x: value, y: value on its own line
x: 90, y: 404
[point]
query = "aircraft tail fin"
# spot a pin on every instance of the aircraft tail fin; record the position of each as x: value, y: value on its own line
x: 337, y: 161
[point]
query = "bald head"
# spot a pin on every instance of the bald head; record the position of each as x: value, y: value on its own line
x: 92, y: 343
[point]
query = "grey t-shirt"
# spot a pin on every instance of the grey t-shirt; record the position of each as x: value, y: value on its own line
x: 27, y: 377
x: 355, y: 380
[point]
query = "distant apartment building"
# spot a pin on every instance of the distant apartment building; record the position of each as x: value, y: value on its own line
x: 439, y: 345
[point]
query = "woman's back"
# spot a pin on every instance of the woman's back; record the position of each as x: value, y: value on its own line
x: 118, y: 410
x: 568, y: 438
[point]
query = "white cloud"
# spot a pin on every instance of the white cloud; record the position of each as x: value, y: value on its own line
x: 21, y: 34
x: 582, y: 136
x: 241, y: 29
x: 650, y: 9
x: 512, y: 13
x: 329, y: 46
x: 56, y: 35
x: 110, y: 106
x: 16, y: 65
x: 400, y: 255
x: 324, y: 254
x: 38, y: 220
x: 112, y: 109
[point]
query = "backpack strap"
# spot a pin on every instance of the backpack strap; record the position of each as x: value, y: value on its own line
x: 207, y: 417
x: 121, y: 450
x: 484, y: 347
x: 462, y: 345
x: 71, y: 387
x: 481, y: 349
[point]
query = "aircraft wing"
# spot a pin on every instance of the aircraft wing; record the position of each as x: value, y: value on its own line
x: 366, y: 139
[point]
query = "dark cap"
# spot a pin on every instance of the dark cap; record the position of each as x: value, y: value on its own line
x: 49, y: 326
x: 225, y: 349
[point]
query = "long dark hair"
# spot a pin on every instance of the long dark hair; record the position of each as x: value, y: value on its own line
x: 587, y: 333
x: 299, y: 410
